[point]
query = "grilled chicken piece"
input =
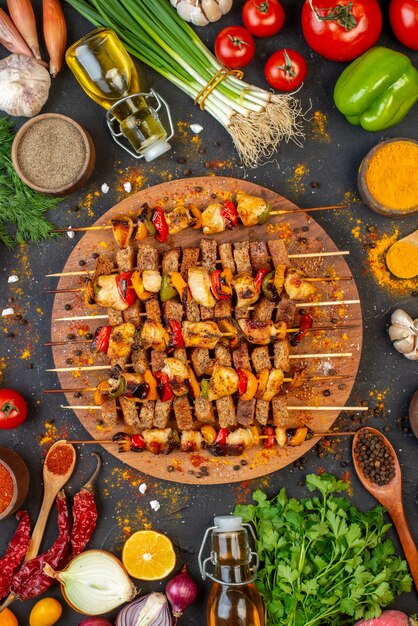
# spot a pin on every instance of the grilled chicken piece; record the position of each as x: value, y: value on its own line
x: 125, y: 259
x: 153, y: 335
x: 242, y: 257
x: 259, y: 256
x: 151, y: 280
x: 122, y: 228
x: 227, y: 257
x: 115, y: 317
x: 209, y: 249
x: 130, y: 413
x: 178, y: 374
x: 190, y: 259
x: 147, y: 258
x: 204, y: 411
x: 246, y: 411
x: 280, y: 411
x: 262, y: 333
x: 104, y: 265
x: 212, y: 220
x: 201, y: 362
x: 223, y: 382
x: 121, y: 341
x: 177, y: 220
x: 281, y: 355
x: 201, y: 334
x: 107, y: 294
x: 278, y: 252
x: 199, y: 284
x: 251, y: 209
x: 191, y: 441
x: 132, y: 313
x: 245, y: 289
x: 274, y: 384
x: 159, y: 440
x: 297, y: 288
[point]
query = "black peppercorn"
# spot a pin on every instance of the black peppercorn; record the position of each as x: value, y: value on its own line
x: 68, y: 307
x: 314, y: 184
x: 95, y: 255
x: 244, y: 462
x: 236, y: 468
x: 78, y: 352
x: 170, y: 468
x: 82, y: 262
x: 187, y: 172
x: 89, y: 336
x: 69, y: 360
x: 181, y: 160
x: 77, y: 394
x: 198, y: 188
x: 10, y: 335
x: 71, y: 336
x: 326, y: 393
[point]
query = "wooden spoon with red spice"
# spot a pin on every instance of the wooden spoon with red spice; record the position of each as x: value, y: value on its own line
x: 390, y: 496
x: 58, y: 466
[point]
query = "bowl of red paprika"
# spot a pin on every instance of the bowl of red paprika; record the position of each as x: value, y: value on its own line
x: 14, y: 482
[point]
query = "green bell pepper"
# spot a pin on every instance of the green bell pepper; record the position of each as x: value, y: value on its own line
x: 167, y: 291
x: 377, y: 90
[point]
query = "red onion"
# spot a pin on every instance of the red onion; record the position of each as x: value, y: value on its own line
x: 95, y: 621
x: 150, y: 610
x: 181, y: 592
x: 389, y: 618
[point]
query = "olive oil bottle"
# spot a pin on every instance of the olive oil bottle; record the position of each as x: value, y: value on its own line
x: 234, y: 599
x: 107, y: 74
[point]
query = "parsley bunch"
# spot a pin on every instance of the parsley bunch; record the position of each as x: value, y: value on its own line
x: 22, y: 210
x: 324, y: 562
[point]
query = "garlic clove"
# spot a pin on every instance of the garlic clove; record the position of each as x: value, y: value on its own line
x: 24, y: 85
x: 405, y: 345
x: 413, y: 355
x: 401, y: 317
x: 225, y: 6
x: 212, y: 10
x: 198, y: 18
x: 396, y: 331
x: 184, y: 9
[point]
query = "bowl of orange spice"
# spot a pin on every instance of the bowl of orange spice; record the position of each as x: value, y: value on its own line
x: 388, y: 177
x: 14, y: 482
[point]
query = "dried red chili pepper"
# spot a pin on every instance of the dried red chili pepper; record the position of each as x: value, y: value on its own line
x: 84, y: 513
x: 31, y: 581
x: 15, y: 553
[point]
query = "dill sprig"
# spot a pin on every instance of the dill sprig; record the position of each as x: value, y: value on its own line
x: 22, y: 210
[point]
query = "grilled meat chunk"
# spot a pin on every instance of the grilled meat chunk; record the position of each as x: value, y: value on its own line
x: 212, y: 220
x: 200, y: 334
x: 183, y: 413
x: 280, y: 411
x: 281, y: 355
x: 173, y: 310
x: 246, y: 411
x: 223, y: 382
x: 146, y: 414
x: 162, y: 412
x: 132, y: 313
x: 242, y: 257
x: 190, y: 259
x: 109, y: 412
x: 104, y: 266
x: 226, y: 412
x: 201, y: 362
x: 297, y: 288
x: 260, y: 358
x: 139, y: 357
x: 227, y: 257
x: 241, y: 357
x: 262, y: 333
x: 223, y: 356
x: 192, y: 311
x: 278, y: 252
x: 259, y: 256
x: 262, y: 412
x: 115, y: 317
x: 252, y: 210
x: 209, y: 250
x: 199, y: 284
x: 147, y: 258
x: 206, y: 314
x: 263, y: 311
x: 245, y: 289
x: 125, y: 259
x: 204, y: 411
x: 223, y: 308
x: 121, y: 341
x: 153, y: 335
x: 170, y: 262
x: 157, y: 360
x: 130, y: 413
x: 152, y: 308
x: 286, y: 312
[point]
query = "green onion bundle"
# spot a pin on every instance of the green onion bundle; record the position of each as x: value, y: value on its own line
x: 152, y: 31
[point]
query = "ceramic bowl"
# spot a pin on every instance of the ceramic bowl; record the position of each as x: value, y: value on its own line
x: 82, y: 173
x: 367, y: 197
x: 18, y: 470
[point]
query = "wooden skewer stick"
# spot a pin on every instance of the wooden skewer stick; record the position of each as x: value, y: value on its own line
x: 92, y: 368
x: 286, y: 380
x: 94, y: 407
x: 307, y: 255
x: 279, y: 212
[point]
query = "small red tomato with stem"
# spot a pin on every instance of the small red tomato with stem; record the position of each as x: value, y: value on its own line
x: 263, y: 18
x: 285, y: 70
x: 13, y: 409
x: 234, y: 47
x: 403, y: 15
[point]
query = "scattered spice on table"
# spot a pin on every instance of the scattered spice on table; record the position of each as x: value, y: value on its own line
x: 319, y: 127
x: 374, y: 458
x: 15, y: 553
x: 392, y: 175
x: 31, y: 581
x: 297, y: 182
x: 59, y: 460
x: 7, y: 488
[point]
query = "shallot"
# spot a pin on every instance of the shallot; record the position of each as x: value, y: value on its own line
x: 181, y: 592
x: 10, y: 37
x: 389, y: 618
x: 21, y: 12
x: 55, y: 33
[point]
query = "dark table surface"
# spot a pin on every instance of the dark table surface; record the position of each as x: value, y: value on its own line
x: 386, y: 381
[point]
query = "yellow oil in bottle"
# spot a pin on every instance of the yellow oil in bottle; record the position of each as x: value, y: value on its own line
x: 233, y: 604
x: 106, y: 72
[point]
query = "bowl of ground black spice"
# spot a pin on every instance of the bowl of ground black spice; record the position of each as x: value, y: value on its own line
x: 14, y: 482
x: 53, y: 154
x: 388, y: 178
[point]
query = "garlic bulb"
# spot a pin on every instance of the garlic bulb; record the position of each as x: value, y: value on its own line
x: 24, y: 85
x: 403, y: 331
x: 201, y: 12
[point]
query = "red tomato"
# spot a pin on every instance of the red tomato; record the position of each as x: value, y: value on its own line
x: 341, y: 30
x: 403, y: 15
x: 13, y: 409
x: 263, y: 18
x: 285, y: 70
x: 234, y: 46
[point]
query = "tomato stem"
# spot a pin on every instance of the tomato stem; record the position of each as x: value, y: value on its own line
x: 340, y: 14
x: 263, y: 7
x: 236, y: 41
x: 288, y: 68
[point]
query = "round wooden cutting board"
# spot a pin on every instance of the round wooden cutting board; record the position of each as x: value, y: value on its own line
x: 302, y: 235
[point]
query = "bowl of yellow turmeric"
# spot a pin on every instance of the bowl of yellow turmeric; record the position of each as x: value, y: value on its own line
x: 388, y: 177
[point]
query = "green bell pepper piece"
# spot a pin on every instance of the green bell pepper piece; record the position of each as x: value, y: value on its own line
x: 377, y: 90
x: 263, y: 217
x: 167, y: 290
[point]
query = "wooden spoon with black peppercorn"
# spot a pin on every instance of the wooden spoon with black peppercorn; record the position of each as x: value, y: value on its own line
x: 378, y: 469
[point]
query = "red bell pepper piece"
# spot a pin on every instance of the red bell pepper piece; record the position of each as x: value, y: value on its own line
x: 217, y: 285
x: 230, y: 214
x: 137, y: 443
x: 100, y: 342
x: 305, y: 324
x: 221, y: 437
x: 243, y: 381
x: 269, y: 433
x: 258, y: 281
x: 126, y: 290
x: 164, y: 390
x: 160, y: 223
x: 175, y: 336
